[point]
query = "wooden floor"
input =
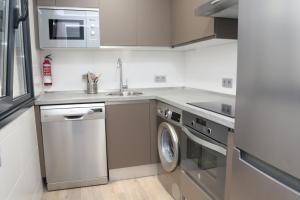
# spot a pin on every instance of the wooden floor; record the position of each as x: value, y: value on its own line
x: 147, y: 188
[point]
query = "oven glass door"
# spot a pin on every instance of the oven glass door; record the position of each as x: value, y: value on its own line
x: 66, y: 29
x: 204, y: 160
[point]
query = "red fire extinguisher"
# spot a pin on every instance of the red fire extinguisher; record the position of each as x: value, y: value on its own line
x: 47, y: 74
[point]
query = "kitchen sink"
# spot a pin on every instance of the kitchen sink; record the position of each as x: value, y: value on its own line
x: 127, y: 93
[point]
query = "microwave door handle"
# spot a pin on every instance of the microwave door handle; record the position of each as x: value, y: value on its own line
x: 205, y: 143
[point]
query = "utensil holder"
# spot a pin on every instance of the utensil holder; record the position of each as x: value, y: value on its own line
x: 92, y: 88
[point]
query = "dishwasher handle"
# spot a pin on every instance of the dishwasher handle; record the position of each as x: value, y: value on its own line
x: 74, y: 117
x: 80, y: 116
x: 72, y: 114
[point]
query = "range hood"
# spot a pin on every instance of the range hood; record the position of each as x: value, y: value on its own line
x: 219, y: 8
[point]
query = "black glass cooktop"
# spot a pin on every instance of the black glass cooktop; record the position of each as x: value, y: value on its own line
x: 223, y: 108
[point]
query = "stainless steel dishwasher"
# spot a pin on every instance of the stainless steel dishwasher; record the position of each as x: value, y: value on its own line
x: 74, y: 145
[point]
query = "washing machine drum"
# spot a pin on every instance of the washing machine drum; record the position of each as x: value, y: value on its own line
x: 168, y: 147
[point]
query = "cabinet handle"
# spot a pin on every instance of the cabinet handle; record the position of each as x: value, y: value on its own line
x: 215, y: 2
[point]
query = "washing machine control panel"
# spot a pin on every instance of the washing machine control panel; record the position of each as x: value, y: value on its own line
x: 169, y: 112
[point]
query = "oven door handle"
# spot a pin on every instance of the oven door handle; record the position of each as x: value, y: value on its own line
x: 205, y: 143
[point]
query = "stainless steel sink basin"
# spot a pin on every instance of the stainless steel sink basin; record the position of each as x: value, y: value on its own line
x: 128, y: 93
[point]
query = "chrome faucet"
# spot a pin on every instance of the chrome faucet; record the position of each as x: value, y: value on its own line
x: 120, y: 66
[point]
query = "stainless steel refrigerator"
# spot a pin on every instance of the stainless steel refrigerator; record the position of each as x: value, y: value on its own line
x: 266, y: 162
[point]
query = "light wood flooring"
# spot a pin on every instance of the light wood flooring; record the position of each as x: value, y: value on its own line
x: 147, y: 188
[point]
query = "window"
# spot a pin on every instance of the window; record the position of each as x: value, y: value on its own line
x: 19, y: 81
x: 3, y: 43
x: 16, y: 88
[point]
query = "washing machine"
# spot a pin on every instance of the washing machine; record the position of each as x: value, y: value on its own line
x: 169, y: 121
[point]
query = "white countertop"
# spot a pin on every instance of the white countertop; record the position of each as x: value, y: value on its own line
x: 178, y: 97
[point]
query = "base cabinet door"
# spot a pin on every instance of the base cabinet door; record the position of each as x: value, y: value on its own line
x: 128, y: 134
x: 190, y: 190
x: 153, y: 132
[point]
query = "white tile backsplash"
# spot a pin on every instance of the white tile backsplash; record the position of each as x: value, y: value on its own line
x: 205, y: 68
x: 202, y: 68
x: 139, y: 67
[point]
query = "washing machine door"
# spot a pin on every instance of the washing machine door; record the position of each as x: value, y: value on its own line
x: 168, y: 147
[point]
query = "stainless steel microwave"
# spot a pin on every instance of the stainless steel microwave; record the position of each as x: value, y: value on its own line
x: 68, y: 27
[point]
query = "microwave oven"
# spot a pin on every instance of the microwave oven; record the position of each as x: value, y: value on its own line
x: 68, y: 27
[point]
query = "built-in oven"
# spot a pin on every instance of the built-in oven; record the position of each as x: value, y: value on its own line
x: 68, y: 27
x: 204, y: 154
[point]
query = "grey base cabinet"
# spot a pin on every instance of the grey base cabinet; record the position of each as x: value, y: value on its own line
x: 128, y: 127
x: 154, y: 132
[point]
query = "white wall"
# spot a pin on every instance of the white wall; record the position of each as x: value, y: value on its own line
x: 20, y: 177
x: 204, y: 68
x: 140, y: 67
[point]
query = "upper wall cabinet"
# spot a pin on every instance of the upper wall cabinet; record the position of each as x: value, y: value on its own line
x: 78, y: 3
x: 135, y: 22
x: 46, y: 2
x: 118, y: 22
x: 70, y: 3
x: 161, y: 23
x: 154, y: 22
x: 188, y: 28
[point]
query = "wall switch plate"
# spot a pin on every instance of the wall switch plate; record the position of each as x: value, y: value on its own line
x: 227, y: 82
x: 160, y: 79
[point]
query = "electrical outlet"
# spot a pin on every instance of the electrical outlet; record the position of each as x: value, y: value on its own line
x: 160, y: 79
x: 227, y: 82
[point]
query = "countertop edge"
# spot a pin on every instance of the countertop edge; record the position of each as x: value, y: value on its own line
x: 223, y: 120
